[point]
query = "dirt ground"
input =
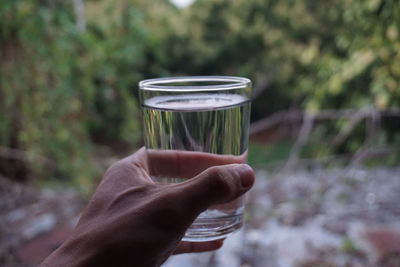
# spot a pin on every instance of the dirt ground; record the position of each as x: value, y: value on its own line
x: 295, y: 218
x: 315, y: 218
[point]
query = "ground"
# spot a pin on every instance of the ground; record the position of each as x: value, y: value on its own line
x: 34, y: 222
x: 304, y: 218
x: 315, y: 218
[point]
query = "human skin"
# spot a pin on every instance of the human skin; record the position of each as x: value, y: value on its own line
x: 133, y: 221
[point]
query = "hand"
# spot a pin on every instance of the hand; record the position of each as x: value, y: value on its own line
x: 132, y: 221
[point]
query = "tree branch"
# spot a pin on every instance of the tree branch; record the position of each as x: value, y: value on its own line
x: 328, y: 114
x: 302, y: 139
x: 22, y: 155
x: 354, y: 120
x: 79, y: 8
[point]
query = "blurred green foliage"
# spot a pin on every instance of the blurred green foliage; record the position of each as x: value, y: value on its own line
x: 315, y: 54
x: 69, y: 79
x: 260, y: 154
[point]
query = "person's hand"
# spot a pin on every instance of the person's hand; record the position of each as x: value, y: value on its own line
x: 133, y: 221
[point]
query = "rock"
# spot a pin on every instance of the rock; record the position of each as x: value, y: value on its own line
x: 39, y: 225
x: 379, y: 242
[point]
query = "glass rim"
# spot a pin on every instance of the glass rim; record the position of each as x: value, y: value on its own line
x: 161, y: 84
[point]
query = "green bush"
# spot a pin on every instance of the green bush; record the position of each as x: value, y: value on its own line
x: 63, y: 87
x: 308, y: 55
x: 69, y: 81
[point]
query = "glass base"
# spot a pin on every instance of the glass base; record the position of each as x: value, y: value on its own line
x: 209, y: 229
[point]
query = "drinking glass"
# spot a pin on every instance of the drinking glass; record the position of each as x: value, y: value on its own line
x: 200, y: 114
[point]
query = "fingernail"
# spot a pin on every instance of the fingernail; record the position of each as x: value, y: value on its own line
x: 246, y: 175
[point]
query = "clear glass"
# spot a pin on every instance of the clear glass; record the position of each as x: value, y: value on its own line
x: 205, y: 114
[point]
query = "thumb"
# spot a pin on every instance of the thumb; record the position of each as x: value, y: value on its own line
x: 215, y: 185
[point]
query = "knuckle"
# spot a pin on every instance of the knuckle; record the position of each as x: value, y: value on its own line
x: 220, y: 180
x: 117, y: 166
x: 123, y: 167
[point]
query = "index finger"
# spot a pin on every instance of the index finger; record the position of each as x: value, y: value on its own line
x: 186, y: 164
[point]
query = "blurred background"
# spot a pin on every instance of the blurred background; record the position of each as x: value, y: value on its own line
x: 325, y: 132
